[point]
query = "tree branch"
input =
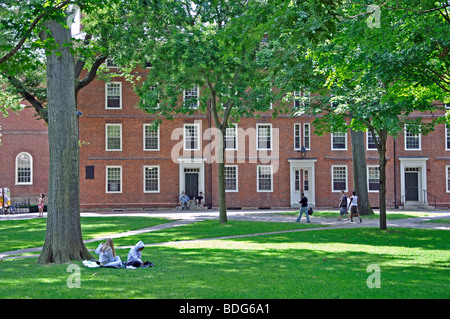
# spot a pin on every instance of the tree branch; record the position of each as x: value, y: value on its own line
x: 91, y: 74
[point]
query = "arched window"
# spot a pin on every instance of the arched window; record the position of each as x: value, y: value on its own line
x: 24, y: 169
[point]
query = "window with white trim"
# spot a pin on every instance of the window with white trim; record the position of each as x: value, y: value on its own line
x: 191, y: 137
x: 297, y: 136
x: 370, y: 141
x: 151, y: 179
x: 265, y: 178
x: 114, y: 179
x: 339, y: 141
x: 307, y: 136
x: 373, y: 178
x: 447, y: 137
x: 151, y: 138
x: 231, y: 137
x: 113, y: 95
x: 24, y: 169
x: 264, y: 136
x: 302, y: 98
x: 191, y: 97
x: 339, y: 178
x: 412, y: 141
x: 231, y: 178
x: 113, y: 137
x: 447, y: 174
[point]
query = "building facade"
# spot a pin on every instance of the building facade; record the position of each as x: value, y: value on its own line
x: 24, y: 155
x: 126, y: 164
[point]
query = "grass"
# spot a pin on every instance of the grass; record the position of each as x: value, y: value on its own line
x: 323, y: 263
x: 29, y: 233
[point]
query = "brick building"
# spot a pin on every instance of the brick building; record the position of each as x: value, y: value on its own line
x: 124, y: 164
x: 24, y: 155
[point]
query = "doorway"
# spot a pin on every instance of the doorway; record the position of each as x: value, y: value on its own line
x: 191, y: 184
x: 412, y: 184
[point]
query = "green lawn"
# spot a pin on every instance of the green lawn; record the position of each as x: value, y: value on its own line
x: 323, y: 263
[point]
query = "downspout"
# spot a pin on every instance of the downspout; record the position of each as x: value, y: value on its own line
x: 210, y: 163
x: 395, y: 177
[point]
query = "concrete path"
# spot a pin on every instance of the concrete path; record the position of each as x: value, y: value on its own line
x: 186, y: 217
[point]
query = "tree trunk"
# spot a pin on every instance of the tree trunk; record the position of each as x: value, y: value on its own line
x: 382, y: 194
x: 63, y: 238
x: 222, y: 194
x: 360, y: 172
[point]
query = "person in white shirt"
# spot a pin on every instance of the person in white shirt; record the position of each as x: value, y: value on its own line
x: 353, y: 207
x: 107, y: 255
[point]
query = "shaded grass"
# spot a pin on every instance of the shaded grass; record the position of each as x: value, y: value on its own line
x: 29, y: 233
x: 324, y: 263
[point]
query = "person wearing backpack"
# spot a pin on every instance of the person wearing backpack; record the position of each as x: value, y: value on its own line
x: 303, y: 208
x: 343, y: 206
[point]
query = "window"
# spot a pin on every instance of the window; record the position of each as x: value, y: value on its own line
x: 110, y: 63
x: 265, y: 178
x: 370, y: 141
x: 301, y: 98
x: 151, y: 179
x: 447, y: 168
x: 113, y: 137
x: 447, y: 138
x: 24, y: 169
x: 264, y: 136
x: 339, y: 141
x: 191, y: 97
x: 114, y: 179
x: 297, y: 136
x: 153, y: 88
x: 114, y: 95
x: 191, y: 137
x: 373, y: 178
x: 231, y: 178
x: 307, y: 136
x: 339, y: 178
x: 412, y: 141
x: 90, y: 170
x: 151, y: 138
x: 231, y: 137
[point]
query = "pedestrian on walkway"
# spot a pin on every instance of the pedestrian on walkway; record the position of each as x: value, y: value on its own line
x: 41, y: 199
x: 343, y: 206
x: 303, y: 208
x: 354, y: 202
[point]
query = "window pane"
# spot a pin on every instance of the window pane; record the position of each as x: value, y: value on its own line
x: 339, y: 178
x: 264, y: 136
x: 151, y: 138
x: 339, y: 140
x: 23, y: 169
x: 230, y: 178
x: 374, y: 178
x: 265, y: 178
x: 191, y: 137
x: 114, y: 179
x: 113, y: 137
x: 151, y: 179
x: 113, y: 95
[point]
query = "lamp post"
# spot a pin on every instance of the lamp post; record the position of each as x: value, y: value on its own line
x: 79, y: 113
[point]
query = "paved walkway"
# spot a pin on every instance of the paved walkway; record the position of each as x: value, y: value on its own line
x: 186, y: 217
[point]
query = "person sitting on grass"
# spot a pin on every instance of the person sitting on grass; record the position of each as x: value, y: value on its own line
x: 107, y: 255
x: 135, y: 257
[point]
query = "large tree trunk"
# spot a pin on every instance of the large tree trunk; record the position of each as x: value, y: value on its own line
x: 360, y: 172
x: 382, y: 195
x: 63, y: 239
x: 222, y: 194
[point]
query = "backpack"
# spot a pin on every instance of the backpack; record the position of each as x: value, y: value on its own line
x: 310, y: 211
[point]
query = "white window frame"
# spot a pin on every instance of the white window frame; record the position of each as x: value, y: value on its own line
x: 237, y: 179
x: 144, y: 137
x: 257, y: 136
x: 111, y: 64
x: 447, y: 137
x: 228, y: 129
x: 271, y: 178
x: 447, y: 175
x: 332, y: 178
x: 17, y: 167
x: 197, y: 98
x: 144, y: 178
x: 332, y: 142
x: 299, y: 96
x: 120, y: 96
x: 368, y: 169
x: 298, y: 137
x: 106, y: 137
x: 121, y: 180
x: 309, y: 135
x: 406, y: 139
x: 367, y: 142
x: 198, y: 136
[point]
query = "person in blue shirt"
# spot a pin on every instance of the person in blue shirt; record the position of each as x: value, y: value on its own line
x: 184, y: 201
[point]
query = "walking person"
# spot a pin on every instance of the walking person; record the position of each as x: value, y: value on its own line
x: 41, y: 200
x: 354, y: 202
x: 343, y: 206
x: 303, y: 208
